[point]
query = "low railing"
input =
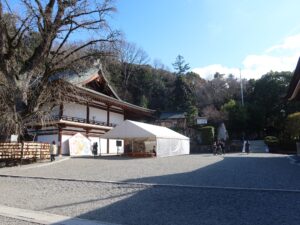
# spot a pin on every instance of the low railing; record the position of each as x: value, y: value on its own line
x: 81, y: 120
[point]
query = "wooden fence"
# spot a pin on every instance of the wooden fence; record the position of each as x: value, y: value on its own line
x: 26, y: 151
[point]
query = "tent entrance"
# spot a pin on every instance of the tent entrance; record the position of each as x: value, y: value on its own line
x: 140, y: 147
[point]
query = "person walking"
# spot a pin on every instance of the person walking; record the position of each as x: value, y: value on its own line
x: 247, y: 147
x: 219, y: 148
x: 222, y: 145
x: 214, y: 147
x: 154, y: 150
x: 53, y: 151
x: 95, y: 149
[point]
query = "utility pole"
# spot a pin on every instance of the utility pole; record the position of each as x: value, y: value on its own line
x: 242, y: 92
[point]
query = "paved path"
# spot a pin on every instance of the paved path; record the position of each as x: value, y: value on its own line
x: 195, y: 189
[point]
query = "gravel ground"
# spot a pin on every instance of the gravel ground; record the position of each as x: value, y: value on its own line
x: 11, y: 221
x: 141, y: 205
x: 117, y: 168
x: 234, y: 170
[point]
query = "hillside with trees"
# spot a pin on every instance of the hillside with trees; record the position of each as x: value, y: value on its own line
x: 264, y: 110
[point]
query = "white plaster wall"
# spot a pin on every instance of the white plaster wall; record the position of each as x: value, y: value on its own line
x: 98, y: 114
x: 116, y: 118
x: 103, y: 145
x: 65, y: 144
x: 75, y: 110
x: 75, y: 128
x: 113, y: 149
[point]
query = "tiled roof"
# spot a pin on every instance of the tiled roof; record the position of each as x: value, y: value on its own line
x: 79, y: 78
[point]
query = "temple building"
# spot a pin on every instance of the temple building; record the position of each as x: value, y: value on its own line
x: 94, y: 111
x: 294, y: 88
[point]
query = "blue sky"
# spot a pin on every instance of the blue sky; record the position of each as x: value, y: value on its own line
x: 215, y: 35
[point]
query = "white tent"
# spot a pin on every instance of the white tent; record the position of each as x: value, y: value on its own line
x: 166, y: 141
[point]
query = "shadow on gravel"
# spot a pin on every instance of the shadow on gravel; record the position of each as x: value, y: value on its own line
x: 171, y: 205
x: 245, y: 172
x: 88, y: 201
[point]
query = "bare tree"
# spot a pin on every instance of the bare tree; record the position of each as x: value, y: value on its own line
x: 130, y: 55
x: 215, y: 116
x: 38, y: 44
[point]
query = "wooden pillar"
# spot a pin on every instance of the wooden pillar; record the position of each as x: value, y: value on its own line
x: 124, y: 114
x: 59, y: 140
x: 107, y: 123
x: 107, y: 146
x: 87, y: 119
x: 61, y: 111
x: 108, y: 115
x: 87, y: 113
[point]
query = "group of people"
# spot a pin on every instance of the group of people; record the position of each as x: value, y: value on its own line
x: 219, y: 147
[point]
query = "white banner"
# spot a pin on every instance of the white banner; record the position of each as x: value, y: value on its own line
x: 79, y: 145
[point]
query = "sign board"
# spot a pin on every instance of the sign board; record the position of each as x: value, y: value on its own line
x: 14, y: 138
x: 79, y: 145
x: 119, y: 143
x: 201, y: 120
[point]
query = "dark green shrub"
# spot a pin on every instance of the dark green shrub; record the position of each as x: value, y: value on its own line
x: 292, y: 125
x: 178, y: 129
x: 207, y: 135
x: 271, y: 141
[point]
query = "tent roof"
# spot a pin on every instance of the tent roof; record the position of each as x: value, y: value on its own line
x: 132, y: 129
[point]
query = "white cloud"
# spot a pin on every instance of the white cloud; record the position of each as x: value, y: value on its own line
x: 208, y: 72
x: 282, y: 57
x: 291, y: 42
x: 257, y: 65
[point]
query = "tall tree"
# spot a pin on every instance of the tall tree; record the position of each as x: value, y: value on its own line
x: 183, y: 95
x: 266, y: 99
x: 180, y: 66
x: 237, y: 117
x: 38, y: 44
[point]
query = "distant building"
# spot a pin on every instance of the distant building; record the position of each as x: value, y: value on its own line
x: 177, y: 120
x: 96, y: 110
x: 172, y: 119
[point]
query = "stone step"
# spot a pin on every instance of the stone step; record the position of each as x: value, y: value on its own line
x: 257, y: 146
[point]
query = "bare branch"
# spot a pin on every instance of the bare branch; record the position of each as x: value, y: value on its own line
x: 84, y: 46
x: 36, y: 45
